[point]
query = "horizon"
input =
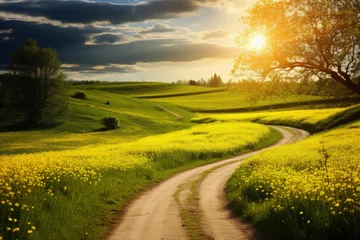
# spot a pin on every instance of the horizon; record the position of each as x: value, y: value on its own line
x: 132, y: 40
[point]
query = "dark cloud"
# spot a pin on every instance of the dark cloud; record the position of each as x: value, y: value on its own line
x: 107, y: 38
x: 159, y: 28
x: 174, y: 50
x: 101, y: 69
x: 69, y: 42
x: 47, y: 35
x: 215, y: 34
x: 88, y: 12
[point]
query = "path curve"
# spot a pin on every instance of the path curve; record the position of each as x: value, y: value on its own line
x: 155, y: 215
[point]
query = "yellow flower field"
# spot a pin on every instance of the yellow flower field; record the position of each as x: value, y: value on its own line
x: 30, y: 183
x: 306, y: 116
x: 310, y: 188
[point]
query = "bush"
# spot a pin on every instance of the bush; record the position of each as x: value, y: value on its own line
x: 110, y: 122
x: 79, y: 95
x: 108, y: 102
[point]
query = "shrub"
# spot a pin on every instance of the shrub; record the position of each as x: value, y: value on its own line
x: 108, y: 102
x: 79, y: 95
x: 110, y: 122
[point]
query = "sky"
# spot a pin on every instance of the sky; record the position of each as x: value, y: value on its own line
x: 128, y: 40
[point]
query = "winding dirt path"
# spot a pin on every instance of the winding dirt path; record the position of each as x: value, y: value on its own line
x: 159, y: 213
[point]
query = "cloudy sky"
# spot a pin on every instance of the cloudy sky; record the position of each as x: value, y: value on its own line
x: 128, y: 40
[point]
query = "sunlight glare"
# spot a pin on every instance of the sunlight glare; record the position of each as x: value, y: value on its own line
x: 257, y: 42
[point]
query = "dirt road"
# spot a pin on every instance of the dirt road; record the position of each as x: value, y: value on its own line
x: 157, y: 213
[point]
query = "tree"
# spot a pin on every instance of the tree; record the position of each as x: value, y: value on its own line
x: 110, y: 122
x: 316, y: 39
x: 41, y: 85
x: 215, y: 81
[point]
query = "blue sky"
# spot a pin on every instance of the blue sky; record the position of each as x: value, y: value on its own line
x: 128, y: 40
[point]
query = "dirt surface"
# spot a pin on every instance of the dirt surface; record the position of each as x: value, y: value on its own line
x: 156, y: 214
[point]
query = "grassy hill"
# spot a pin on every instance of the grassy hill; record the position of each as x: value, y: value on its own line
x: 138, y: 118
x: 92, y: 173
x: 140, y: 108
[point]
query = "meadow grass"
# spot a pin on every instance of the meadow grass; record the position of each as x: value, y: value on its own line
x: 306, y: 190
x: 75, y: 194
x: 312, y: 120
x: 147, y: 89
x: 138, y: 118
x: 226, y: 101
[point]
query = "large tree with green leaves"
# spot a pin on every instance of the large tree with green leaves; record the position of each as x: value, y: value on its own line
x: 306, y: 39
x: 42, y: 90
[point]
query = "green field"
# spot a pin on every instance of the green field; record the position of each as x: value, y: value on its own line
x: 138, y: 118
x: 226, y: 100
x: 79, y: 167
x: 148, y: 90
x: 312, y: 120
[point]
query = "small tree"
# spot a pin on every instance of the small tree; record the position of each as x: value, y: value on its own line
x: 110, y: 122
x: 41, y: 85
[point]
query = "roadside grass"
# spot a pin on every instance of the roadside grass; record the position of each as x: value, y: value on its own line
x: 311, y: 120
x: 76, y: 194
x: 191, y: 214
x: 306, y: 190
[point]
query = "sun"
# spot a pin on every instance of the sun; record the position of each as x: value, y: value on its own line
x: 257, y: 42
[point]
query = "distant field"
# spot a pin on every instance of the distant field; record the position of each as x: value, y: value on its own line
x: 226, y: 101
x: 313, y: 120
x: 138, y: 118
x: 92, y: 173
x: 148, y: 89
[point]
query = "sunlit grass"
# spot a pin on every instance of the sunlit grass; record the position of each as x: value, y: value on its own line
x: 227, y: 100
x: 307, y: 190
x: 138, y: 118
x: 145, y: 89
x: 48, y: 188
x: 313, y: 120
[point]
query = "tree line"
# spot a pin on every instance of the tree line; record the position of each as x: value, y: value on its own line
x: 213, y: 81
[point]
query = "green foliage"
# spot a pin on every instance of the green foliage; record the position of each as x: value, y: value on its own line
x: 215, y: 81
x: 41, y: 90
x: 110, y: 122
x: 79, y: 95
